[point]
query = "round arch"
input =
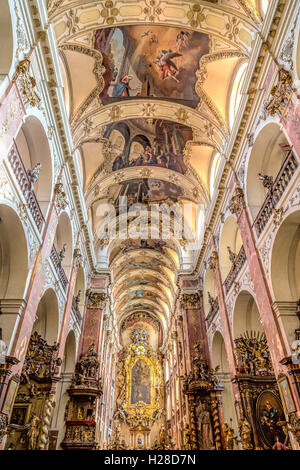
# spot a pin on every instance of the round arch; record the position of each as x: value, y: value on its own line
x: 219, y: 359
x: 6, y: 38
x: 68, y: 367
x: 230, y: 237
x: 285, y: 271
x: 267, y: 157
x: 69, y: 359
x: 246, y: 315
x: 47, y: 317
x: 13, y: 265
x: 32, y: 144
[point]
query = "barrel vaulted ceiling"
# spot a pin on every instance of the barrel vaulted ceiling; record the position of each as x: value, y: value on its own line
x: 151, y: 88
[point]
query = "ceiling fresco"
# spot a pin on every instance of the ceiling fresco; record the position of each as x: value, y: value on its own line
x: 148, y: 89
x: 148, y: 142
x: 156, y: 62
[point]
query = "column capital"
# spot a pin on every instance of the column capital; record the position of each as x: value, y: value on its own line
x: 190, y: 300
x: 95, y: 299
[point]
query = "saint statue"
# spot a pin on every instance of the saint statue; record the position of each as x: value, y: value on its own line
x: 33, y: 433
x: 33, y: 173
x: 62, y: 253
x: 229, y: 436
x: 245, y: 433
x: 205, y: 429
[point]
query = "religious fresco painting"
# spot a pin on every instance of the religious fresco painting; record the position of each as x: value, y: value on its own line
x: 140, y: 383
x: 147, y: 190
x: 150, y: 61
x: 149, y: 142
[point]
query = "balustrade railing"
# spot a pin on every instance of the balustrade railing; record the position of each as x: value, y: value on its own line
x: 235, y: 269
x: 58, y: 267
x: 21, y: 175
x: 275, y: 192
x: 213, y: 312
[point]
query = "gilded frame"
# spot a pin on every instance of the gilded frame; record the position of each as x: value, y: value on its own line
x: 10, y: 396
x: 155, y: 377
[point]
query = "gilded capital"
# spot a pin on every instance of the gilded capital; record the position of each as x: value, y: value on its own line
x: 190, y: 300
x: 95, y: 299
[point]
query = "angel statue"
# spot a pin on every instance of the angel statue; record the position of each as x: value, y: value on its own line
x: 165, y: 63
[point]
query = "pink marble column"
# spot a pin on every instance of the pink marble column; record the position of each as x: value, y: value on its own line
x: 34, y: 293
x: 227, y: 336
x: 263, y: 297
x: 92, y: 321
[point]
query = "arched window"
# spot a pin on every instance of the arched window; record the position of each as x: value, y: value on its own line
x: 264, y: 6
x: 236, y: 93
x: 213, y: 172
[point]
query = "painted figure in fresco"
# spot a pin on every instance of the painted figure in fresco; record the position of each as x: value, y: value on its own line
x: 123, y: 87
x: 166, y: 64
x: 118, y: 163
x: 183, y: 40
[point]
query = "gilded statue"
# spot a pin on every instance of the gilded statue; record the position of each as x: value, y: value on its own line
x: 245, y: 433
x: 229, y: 436
x: 33, y: 433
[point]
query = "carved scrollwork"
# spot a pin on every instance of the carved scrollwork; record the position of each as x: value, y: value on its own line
x: 213, y: 261
x: 78, y: 258
x: 41, y: 360
x: 237, y: 202
x: 280, y: 93
x: 3, y: 426
x: 60, y: 196
x: 26, y: 83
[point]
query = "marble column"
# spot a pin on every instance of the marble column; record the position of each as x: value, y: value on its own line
x: 95, y: 302
x: 269, y: 319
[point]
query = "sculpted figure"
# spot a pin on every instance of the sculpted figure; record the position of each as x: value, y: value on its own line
x: 229, y: 436
x: 245, y: 433
x: 33, y: 433
x: 205, y: 429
